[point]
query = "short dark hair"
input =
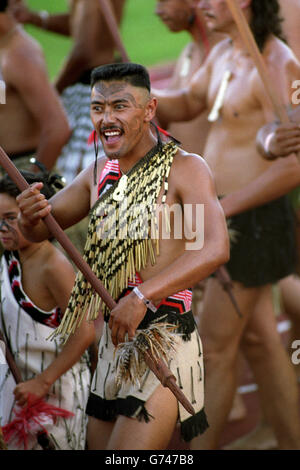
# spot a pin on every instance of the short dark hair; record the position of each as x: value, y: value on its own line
x: 266, y: 20
x: 134, y: 74
x: 3, y: 5
x: 51, y: 183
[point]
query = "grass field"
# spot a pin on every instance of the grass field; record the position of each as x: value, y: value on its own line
x: 146, y: 39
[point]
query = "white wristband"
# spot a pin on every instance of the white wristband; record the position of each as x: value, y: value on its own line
x: 44, y: 16
x: 147, y: 302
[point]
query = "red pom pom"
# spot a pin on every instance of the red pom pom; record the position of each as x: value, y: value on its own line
x: 31, y: 418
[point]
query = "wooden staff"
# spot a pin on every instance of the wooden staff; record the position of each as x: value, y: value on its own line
x: 112, y: 24
x: 224, y: 279
x: 159, y: 368
x: 253, y: 50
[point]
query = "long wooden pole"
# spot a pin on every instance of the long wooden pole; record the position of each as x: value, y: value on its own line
x: 112, y: 24
x: 250, y: 43
x: 159, y: 368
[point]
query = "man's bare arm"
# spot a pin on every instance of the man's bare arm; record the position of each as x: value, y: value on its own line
x: 281, y: 177
x: 26, y: 72
x: 58, y: 23
x: 195, y: 187
x: 187, y: 103
x: 87, y: 26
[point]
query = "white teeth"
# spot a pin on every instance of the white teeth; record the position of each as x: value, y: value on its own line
x: 112, y: 133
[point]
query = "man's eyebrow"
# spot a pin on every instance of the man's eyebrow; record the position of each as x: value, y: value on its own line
x: 9, y: 213
x: 116, y: 100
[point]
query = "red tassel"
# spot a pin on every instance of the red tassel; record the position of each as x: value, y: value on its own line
x: 163, y: 131
x: 167, y: 134
x: 92, y: 137
x: 30, y: 418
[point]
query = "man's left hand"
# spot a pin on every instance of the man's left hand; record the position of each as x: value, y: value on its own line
x: 126, y: 317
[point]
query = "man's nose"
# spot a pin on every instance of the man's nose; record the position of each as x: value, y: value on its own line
x: 108, y: 116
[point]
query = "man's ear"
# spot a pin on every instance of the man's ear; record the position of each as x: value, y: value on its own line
x: 150, y: 109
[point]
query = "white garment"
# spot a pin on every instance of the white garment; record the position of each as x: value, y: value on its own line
x: 33, y: 353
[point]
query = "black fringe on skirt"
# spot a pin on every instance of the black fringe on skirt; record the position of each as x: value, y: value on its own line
x: 108, y: 410
x: 194, y: 426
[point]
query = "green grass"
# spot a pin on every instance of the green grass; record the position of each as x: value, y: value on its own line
x: 145, y: 37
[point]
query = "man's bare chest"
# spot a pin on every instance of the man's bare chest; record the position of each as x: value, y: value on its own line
x: 232, y: 91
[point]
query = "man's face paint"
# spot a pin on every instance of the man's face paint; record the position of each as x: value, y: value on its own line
x: 4, y: 224
x: 118, y: 114
x: 10, y: 236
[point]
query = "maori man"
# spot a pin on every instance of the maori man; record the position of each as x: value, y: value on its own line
x: 147, y: 273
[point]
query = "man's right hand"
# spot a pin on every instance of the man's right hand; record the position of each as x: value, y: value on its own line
x: 33, y: 206
x: 284, y: 141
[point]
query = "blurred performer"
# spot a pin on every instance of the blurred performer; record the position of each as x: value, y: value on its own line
x: 290, y: 11
x: 36, y: 280
x: 92, y: 45
x: 180, y: 15
x: 32, y: 120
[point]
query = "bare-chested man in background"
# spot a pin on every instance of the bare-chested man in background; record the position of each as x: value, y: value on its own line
x: 33, y: 120
x: 245, y: 181
x: 180, y: 15
x: 183, y: 15
x: 290, y: 10
x: 92, y: 45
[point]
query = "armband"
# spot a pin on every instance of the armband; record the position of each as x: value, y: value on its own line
x: 269, y: 155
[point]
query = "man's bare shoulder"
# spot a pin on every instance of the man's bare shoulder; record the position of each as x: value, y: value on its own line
x: 188, y: 163
x: 23, y: 54
x: 191, y: 178
x: 219, y: 49
x: 277, y: 53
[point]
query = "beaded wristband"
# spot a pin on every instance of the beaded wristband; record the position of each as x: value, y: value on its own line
x: 147, y: 302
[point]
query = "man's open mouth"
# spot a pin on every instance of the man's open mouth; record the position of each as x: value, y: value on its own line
x: 112, y: 135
